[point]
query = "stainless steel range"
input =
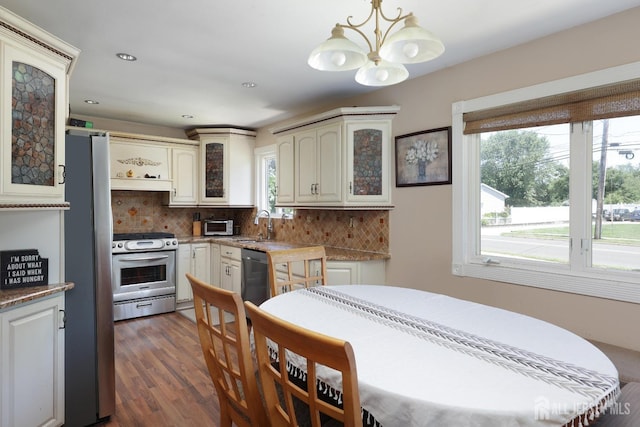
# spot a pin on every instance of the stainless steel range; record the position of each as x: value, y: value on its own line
x: 143, y: 274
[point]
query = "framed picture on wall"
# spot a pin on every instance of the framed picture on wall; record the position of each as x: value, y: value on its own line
x: 424, y: 158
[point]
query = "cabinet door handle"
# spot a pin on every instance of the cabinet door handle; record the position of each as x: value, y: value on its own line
x: 62, y: 324
x: 175, y: 192
x: 350, y: 188
x: 64, y: 174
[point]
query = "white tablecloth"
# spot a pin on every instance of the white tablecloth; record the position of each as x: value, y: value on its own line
x: 425, y: 359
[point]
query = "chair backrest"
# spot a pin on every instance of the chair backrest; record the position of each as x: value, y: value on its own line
x: 291, y: 269
x: 224, y: 337
x: 283, y: 350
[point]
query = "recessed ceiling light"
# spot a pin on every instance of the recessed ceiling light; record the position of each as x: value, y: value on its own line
x: 126, y: 57
x: 91, y: 101
x: 187, y: 116
x: 249, y: 84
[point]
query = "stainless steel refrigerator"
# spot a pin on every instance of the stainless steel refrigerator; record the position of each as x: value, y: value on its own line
x: 89, y: 335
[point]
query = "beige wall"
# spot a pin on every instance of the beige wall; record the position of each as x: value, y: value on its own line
x: 420, y: 225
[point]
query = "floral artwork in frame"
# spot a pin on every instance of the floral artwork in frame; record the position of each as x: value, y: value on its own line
x: 424, y: 158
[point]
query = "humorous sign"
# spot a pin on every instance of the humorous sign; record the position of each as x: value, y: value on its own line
x: 22, y: 268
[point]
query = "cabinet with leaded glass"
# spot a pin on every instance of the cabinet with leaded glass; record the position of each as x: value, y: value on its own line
x: 226, y: 166
x: 33, y: 111
x: 341, y: 159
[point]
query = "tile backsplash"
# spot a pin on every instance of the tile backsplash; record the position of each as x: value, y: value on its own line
x: 145, y: 211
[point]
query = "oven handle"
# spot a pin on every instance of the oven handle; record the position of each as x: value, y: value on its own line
x: 148, y: 258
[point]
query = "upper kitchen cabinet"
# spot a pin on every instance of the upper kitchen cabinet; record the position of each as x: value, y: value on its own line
x: 226, y: 166
x: 339, y: 159
x: 317, y: 165
x: 34, y: 70
x: 184, y: 173
x: 285, y: 172
x: 154, y: 163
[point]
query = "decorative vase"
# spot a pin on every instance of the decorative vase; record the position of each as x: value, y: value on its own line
x: 422, y: 173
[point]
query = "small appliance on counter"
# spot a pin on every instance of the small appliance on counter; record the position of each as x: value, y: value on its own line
x: 197, y: 225
x: 217, y: 227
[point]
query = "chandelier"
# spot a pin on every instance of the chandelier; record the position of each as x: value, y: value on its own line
x: 383, y: 65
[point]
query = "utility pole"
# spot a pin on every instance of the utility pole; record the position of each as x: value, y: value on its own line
x: 597, y: 234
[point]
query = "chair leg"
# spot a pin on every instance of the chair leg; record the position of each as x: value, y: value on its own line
x: 225, y: 418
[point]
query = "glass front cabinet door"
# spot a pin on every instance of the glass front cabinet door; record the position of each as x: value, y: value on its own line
x: 32, y: 127
x: 368, y: 162
x: 214, y: 154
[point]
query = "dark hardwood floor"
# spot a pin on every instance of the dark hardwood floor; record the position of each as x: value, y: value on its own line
x: 161, y: 377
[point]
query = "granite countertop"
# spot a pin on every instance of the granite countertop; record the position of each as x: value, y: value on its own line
x: 13, y: 297
x: 248, y: 242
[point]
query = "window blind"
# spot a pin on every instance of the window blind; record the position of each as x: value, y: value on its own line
x: 603, y: 102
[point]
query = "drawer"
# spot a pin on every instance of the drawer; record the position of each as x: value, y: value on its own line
x: 230, y: 252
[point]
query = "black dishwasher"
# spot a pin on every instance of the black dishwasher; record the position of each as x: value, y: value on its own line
x: 255, y: 276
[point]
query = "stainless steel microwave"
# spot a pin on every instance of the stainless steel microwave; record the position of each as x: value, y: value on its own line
x: 217, y: 227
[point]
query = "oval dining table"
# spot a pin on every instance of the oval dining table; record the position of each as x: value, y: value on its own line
x: 427, y: 359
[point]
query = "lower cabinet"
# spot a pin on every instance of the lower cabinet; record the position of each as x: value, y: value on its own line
x: 356, y: 272
x: 32, y: 364
x: 230, y: 268
x: 193, y: 258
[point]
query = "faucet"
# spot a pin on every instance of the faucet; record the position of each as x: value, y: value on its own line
x: 269, y: 225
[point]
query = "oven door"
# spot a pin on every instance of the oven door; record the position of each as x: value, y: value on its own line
x: 142, y: 275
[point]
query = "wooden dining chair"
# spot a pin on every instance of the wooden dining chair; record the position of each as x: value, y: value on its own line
x: 224, y: 337
x: 291, y: 269
x: 281, y: 384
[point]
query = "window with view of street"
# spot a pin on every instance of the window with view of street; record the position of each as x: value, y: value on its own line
x: 546, y: 188
x: 525, y: 202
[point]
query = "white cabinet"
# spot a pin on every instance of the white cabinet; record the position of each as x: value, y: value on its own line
x: 215, y: 264
x: 226, y: 166
x: 195, y: 259
x: 230, y: 268
x: 285, y: 170
x: 139, y: 164
x: 34, y: 67
x: 32, y: 363
x: 317, y: 164
x: 184, y: 175
x: 370, y: 272
x: 341, y: 159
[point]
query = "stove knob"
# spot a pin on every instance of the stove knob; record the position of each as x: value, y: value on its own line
x: 175, y: 243
x: 120, y: 244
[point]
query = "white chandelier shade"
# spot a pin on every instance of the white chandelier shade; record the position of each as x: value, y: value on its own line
x: 382, y: 65
x: 383, y: 73
x: 337, y: 53
x: 412, y: 44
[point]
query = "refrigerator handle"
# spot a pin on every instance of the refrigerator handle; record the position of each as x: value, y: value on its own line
x: 64, y: 174
x: 62, y: 320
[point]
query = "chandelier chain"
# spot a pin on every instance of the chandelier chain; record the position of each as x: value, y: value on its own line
x: 374, y: 52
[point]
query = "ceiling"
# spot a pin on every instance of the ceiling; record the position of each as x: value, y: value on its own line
x: 194, y: 55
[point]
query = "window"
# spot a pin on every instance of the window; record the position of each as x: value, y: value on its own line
x: 266, y: 182
x: 546, y: 186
